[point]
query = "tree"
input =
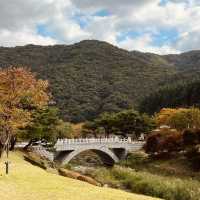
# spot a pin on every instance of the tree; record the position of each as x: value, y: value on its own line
x: 46, y: 125
x: 122, y: 123
x: 105, y: 121
x: 162, y: 141
x: 64, y: 130
x: 132, y: 122
x: 162, y: 117
x: 194, y: 113
x: 179, y: 93
x: 180, y: 118
x: 20, y: 95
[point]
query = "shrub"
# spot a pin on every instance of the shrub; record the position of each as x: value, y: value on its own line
x: 191, y: 140
x: 135, y: 159
x: 172, y: 142
x: 166, y: 141
x: 163, y: 140
x: 168, y: 188
x: 157, y: 186
x: 152, y: 143
x: 193, y: 155
x: 191, y: 136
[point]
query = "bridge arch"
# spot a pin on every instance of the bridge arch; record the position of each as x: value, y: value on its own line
x: 108, y: 156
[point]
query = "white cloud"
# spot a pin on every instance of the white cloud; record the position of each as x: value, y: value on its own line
x: 139, y: 43
x: 21, y: 13
x: 19, y: 20
x: 144, y: 44
x: 114, y: 6
x: 189, y: 40
x: 103, y: 28
x: 24, y: 37
x: 147, y: 17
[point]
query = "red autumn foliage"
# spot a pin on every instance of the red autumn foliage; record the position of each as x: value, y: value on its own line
x: 163, y: 140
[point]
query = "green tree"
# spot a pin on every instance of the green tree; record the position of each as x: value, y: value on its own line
x: 172, y: 95
x: 64, y: 130
x: 46, y: 125
x: 132, y: 122
x: 122, y: 123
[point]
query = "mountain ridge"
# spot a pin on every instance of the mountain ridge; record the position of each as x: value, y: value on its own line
x: 91, y: 77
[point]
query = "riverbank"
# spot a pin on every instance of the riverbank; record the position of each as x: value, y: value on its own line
x: 170, y: 179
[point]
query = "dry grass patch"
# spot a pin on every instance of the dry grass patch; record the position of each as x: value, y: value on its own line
x: 27, y: 182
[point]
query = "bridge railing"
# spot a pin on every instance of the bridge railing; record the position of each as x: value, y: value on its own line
x: 95, y: 140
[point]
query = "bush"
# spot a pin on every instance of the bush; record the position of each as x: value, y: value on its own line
x: 163, y: 141
x: 193, y: 155
x: 191, y: 136
x: 168, y: 188
x: 135, y: 159
x: 172, y: 142
x: 191, y: 140
x: 157, y: 186
x: 152, y: 143
x: 166, y: 141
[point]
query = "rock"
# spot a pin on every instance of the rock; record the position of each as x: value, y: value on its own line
x: 68, y: 173
x: 78, y: 176
x: 88, y: 180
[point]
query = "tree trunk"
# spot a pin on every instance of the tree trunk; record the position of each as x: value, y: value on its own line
x: 1, y: 149
x: 13, y: 141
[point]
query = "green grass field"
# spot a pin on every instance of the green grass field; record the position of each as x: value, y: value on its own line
x: 27, y: 182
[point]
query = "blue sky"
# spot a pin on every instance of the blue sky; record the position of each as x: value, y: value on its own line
x: 158, y: 26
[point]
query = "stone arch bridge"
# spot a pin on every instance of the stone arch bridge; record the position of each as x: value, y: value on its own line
x: 110, y: 150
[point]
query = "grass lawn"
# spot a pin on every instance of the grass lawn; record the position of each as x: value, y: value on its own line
x: 27, y: 182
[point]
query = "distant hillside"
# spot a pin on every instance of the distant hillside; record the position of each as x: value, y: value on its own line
x: 185, y: 61
x: 180, y: 94
x: 91, y: 77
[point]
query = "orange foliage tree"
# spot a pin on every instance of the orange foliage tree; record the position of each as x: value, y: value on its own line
x: 163, y: 116
x: 180, y: 118
x: 20, y: 94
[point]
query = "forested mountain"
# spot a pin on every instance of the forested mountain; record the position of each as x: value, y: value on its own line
x: 181, y: 89
x: 91, y: 77
x: 186, y: 61
x: 178, y: 94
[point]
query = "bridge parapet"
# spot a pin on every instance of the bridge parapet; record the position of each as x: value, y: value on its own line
x: 72, y: 144
x: 93, y: 140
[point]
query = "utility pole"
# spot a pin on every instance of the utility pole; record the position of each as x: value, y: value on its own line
x: 7, y: 162
x: 7, y: 153
x: 7, y: 167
